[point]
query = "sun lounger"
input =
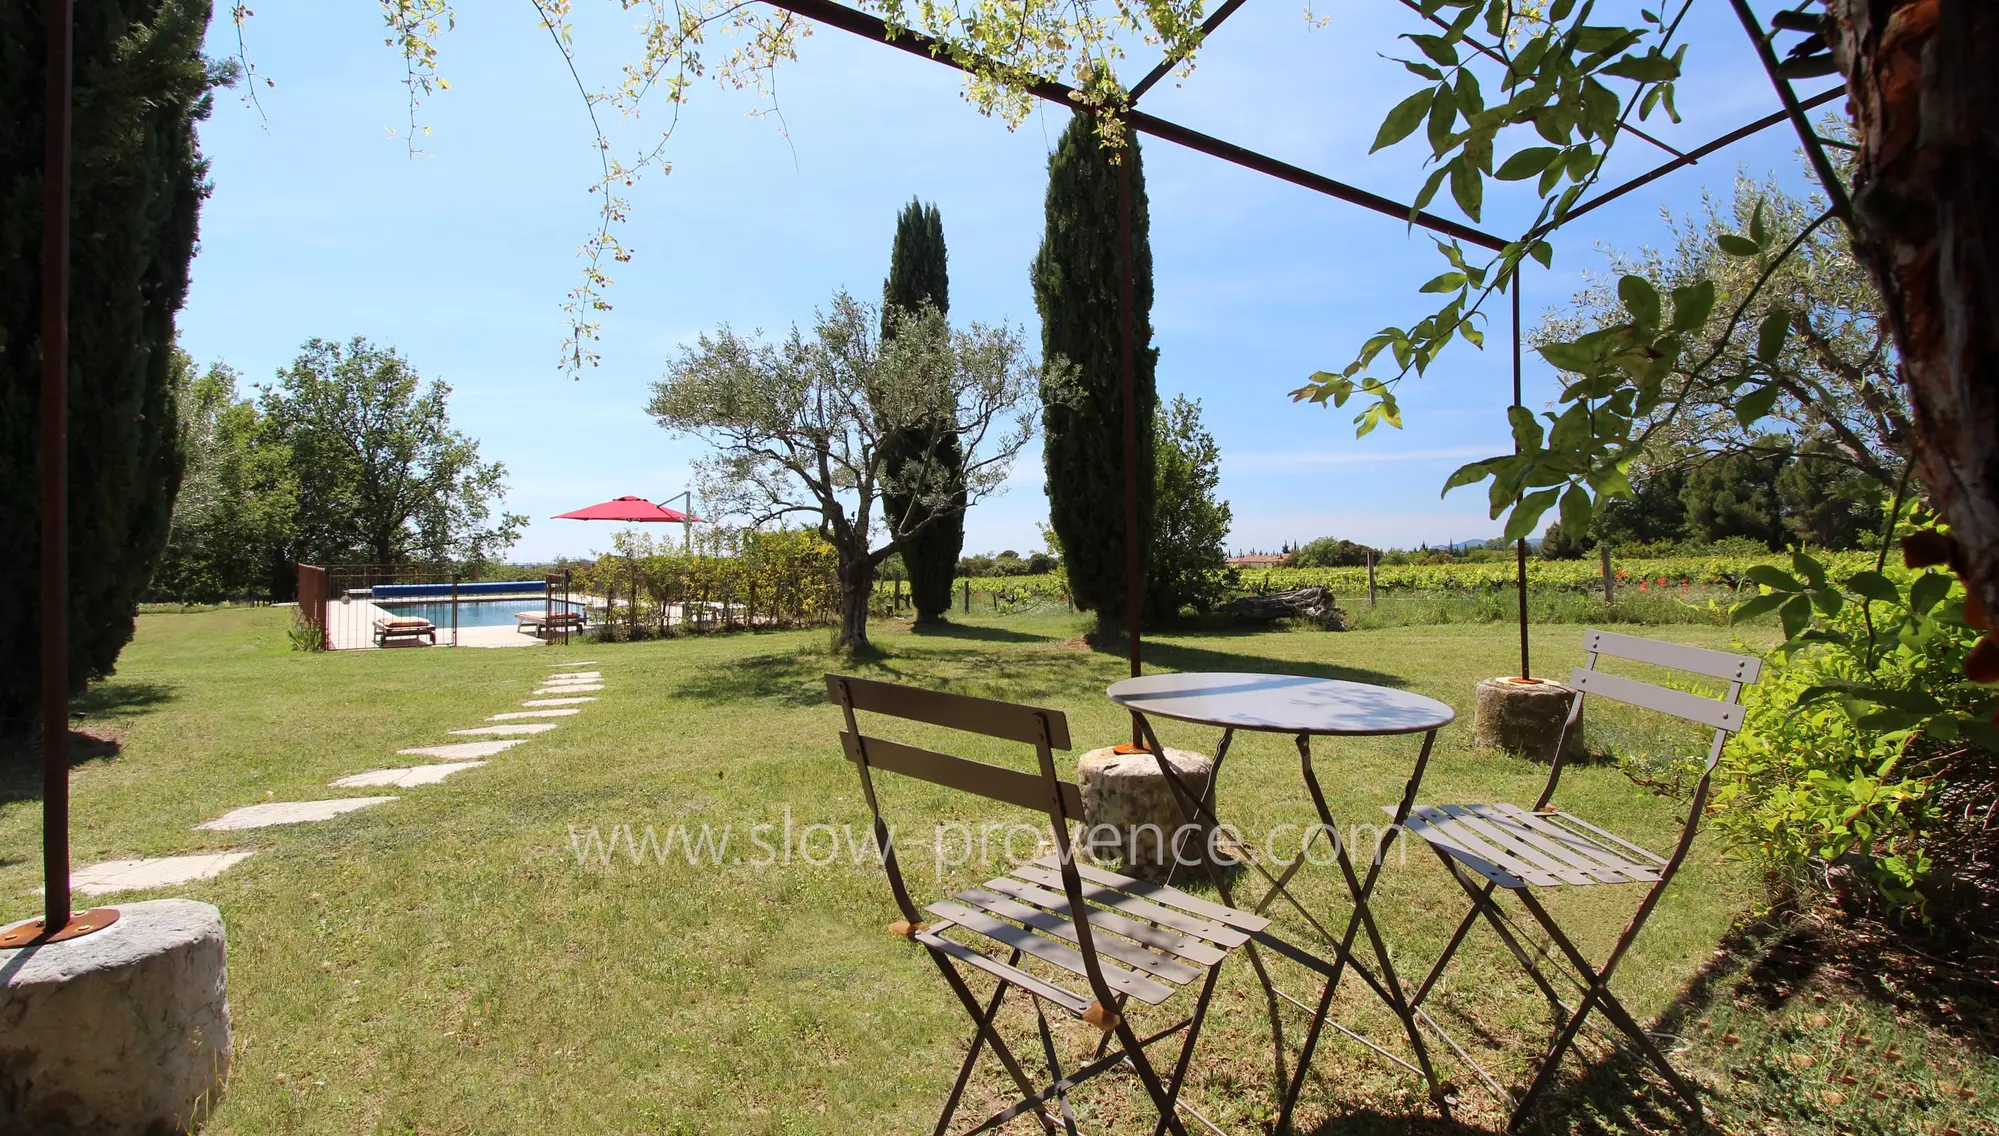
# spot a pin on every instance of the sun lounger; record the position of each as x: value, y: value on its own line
x: 389, y: 630
x: 541, y: 623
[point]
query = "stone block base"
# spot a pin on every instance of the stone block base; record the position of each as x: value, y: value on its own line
x: 125, y: 1030
x: 1133, y: 817
x: 1525, y: 716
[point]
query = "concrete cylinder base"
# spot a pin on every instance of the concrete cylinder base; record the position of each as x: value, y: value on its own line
x: 1525, y: 716
x: 122, y: 1031
x: 1127, y: 793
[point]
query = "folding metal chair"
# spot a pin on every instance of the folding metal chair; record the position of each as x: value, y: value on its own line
x: 1493, y: 847
x: 1137, y: 941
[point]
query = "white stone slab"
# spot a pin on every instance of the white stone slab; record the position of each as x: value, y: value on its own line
x: 514, y: 728
x: 287, y: 812
x: 513, y: 714
x: 405, y: 778
x: 571, y: 688
x: 577, y: 663
x: 574, y: 676
x: 462, y: 751
x: 162, y: 871
x: 555, y: 701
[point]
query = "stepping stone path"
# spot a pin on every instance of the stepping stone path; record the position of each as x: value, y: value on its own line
x: 286, y: 812
x: 135, y: 875
x: 463, y: 751
x: 141, y: 875
x: 405, y: 778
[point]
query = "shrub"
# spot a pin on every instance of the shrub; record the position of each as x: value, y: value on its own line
x: 1843, y: 741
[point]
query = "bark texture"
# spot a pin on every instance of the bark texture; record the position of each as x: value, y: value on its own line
x: 1923, y: 86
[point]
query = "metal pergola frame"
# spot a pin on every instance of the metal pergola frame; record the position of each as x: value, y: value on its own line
x: 60, y: 922
x: 915, y: 43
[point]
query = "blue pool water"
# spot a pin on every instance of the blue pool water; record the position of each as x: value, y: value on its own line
x: 471, y: 613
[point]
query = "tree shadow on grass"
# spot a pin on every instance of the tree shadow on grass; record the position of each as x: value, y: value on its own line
x: 21, y: 760
x: 975, y: 632
x: 111, y: 700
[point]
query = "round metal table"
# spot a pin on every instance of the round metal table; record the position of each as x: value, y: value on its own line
x: 1282, y: 704
x: 1303, y: 707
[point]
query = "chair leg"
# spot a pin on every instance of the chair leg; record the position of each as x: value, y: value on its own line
x: 981, y: 1024
x: 1055, y: 1070
x: 986, y: 1030
x: 1545, y: 1074
x: 1187, y: 1045
x: 1149, y: 1077
x: 1296, y: 1084
x: 1600, y: 994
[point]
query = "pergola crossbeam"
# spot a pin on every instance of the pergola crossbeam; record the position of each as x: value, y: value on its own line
x: 1690, y: 158
x: 915, y: 43
x: 1167, y: 64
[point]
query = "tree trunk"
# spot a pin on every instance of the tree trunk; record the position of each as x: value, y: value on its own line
x: 857, y: 585
x: 1924, y: 95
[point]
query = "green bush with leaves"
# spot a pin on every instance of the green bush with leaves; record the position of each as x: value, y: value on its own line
x: 1841, y: 739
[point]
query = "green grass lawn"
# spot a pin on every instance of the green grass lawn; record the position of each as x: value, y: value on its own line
x: 446, y: 963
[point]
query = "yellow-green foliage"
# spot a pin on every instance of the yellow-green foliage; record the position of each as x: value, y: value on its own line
x: 724, y: 578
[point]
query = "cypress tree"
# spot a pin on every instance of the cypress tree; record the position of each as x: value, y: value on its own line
x: 137, y: 182
x: 1076, y: 291
x: 918, y: 274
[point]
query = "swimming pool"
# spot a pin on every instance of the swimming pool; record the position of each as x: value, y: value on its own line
x: 471, y: 613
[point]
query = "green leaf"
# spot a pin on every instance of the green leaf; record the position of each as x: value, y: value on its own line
x: 1651, y: 67
x: 1447, y: 282
x: 1543, y: 252
x: 1424, y: 70
x: 1828, y: 601
x: 1467, y: 187
x: 1758, y: 230
x: 1796, y: 614
x: 1437, y: 48
x: 1575, y: 512
x: 1808, y: 569
x: 1468, y: 474
x: 1527, y: 163
x: 1928, y: 591
x: 1735, y: 246
x: 1770, y: 336
x: 1640, y: 299
x: 1774, y: 578
x: 1755, y: 607
x: 1692, y: 304
x: 1403, y: 120
x: 1874, y: 586
x: 1756, y: 404
x: 1443, y: 113
x: 1429, y: 189
x: 1528, y: 512
x: 1526, y: 429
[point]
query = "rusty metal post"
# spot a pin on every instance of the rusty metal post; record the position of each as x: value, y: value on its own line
x: 454, y: 609
x: 55, y: 470
x: 1127, y: 350
x: 1520, y: 548
x: 1370, y: 577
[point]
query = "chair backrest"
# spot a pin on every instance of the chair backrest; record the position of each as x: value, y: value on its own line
x: 1723, y: 714
x: 1046, y: 730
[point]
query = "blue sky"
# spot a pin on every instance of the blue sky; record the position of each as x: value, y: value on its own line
x: 321, y: 224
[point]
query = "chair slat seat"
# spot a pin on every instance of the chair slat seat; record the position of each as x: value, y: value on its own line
x: 1143, y: 909
x: 1516, y: 848
x: 1189, y: 947
x: 1047, y: 991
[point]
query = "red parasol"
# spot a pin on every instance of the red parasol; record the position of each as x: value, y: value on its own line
x: 627, y: 509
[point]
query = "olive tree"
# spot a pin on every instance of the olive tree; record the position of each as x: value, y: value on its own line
x: 798, y: 427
